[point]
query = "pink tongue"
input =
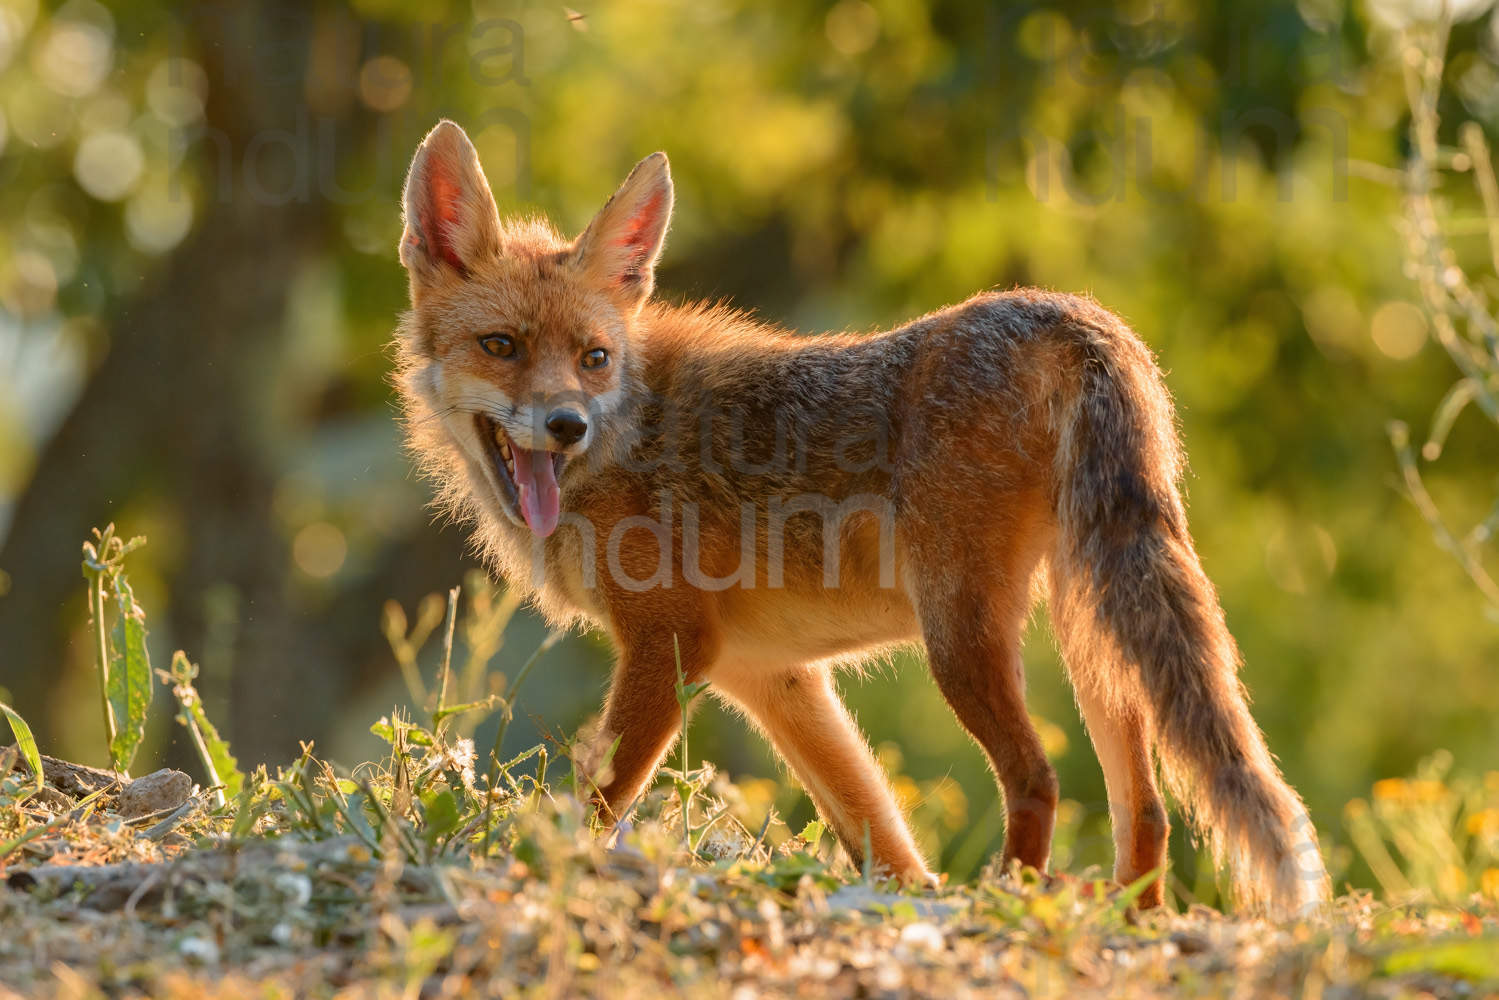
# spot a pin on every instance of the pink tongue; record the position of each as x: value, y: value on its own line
x: 537, y: 479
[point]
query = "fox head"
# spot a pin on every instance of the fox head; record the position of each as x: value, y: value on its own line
x: 518, y: 348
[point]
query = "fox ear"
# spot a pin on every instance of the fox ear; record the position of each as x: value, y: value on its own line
x: 620, y: 246
x: 451, y: 218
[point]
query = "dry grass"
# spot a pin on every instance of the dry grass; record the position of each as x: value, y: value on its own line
x: 516, y: 893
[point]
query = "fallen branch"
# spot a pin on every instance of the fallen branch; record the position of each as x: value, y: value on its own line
x: 77, y: 780
x: 143, y: 884
x: 172, y: 822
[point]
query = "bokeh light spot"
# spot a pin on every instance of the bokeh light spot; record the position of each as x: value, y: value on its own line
x: 176, y: 90
x: 319, y: 550
x: 1398, y: 329
x: 35, y: 287
x: 1332, y: 318
x: 384, y: 83
x: 108, y: 164
x: 157, y: 219
x: 853, y: 27
x: 78, y: 51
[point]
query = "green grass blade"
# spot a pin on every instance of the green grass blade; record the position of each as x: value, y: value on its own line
x: 447, y: 657
x: 224, y: 763
x: 26, y: 743
x: 249, y: 806
x: 552, y: 638
x: 486, y: 705
x: 129, y: 685
x: 11, y: 846
x: 218, y: 761
x: 1136, y: 889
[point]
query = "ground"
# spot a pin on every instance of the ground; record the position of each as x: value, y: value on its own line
x: 415, y: 879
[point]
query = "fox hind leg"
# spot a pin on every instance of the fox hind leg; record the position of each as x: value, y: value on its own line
x: 809, y: 726
x: 976, y: 663
x: 1121, y: 736
x: 1119, y: 722
x: 972, y: 593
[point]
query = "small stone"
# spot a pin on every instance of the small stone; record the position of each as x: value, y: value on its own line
x: 922, y: 935
x: 889, y: 977
x: 295, y: 889
x: 155, y: 792
x: 21, y: 881
x: 1190, y: 943
x: 54, y: 800
x: 198, y: 950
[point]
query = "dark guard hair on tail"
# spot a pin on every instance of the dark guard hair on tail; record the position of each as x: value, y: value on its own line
x: 1139, y: 620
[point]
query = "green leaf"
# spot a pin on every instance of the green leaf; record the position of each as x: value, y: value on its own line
x: 812, y: 833
x: 353, y: 813
x: 248, y: 808
x: 441, y: 813
x: 225, y: 764
x: 390, y: 731
x: 130, y: 687
x: 26, y: 743
x: 1474, y: 959
x: 487, y: 705
x: 222, y: 768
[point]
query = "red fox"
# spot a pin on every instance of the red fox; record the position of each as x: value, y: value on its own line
x: 773, y: 505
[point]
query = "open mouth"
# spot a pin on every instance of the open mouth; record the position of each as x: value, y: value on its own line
x: 527, y: 478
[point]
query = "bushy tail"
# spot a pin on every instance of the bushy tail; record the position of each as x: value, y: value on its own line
x: 1145, y: 620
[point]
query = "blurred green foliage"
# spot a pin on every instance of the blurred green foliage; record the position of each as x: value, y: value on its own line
x: 198, y: 219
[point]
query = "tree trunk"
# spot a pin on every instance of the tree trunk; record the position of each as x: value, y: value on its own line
x: 172, y: 417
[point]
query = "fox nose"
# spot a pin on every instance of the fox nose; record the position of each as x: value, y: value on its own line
x: 567, y: 426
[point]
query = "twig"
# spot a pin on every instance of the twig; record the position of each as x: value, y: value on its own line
x: 764, y: 829
x: 95, y: 563
x: 553, y: 637
x: 1471, y: 135
x: 140, y: 891
x: 440, y: 721
x: 179, y: 815
x: 1449, y: 292
x: 619, y: 822
x: 1416, y: 489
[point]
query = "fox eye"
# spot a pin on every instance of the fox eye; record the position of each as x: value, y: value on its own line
x: 596, y: 358
x: 498, y: 344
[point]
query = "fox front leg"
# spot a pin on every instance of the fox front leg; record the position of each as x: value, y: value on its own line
x: 642, y: 718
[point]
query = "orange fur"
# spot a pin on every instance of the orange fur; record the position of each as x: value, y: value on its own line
x: 774, y: 504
